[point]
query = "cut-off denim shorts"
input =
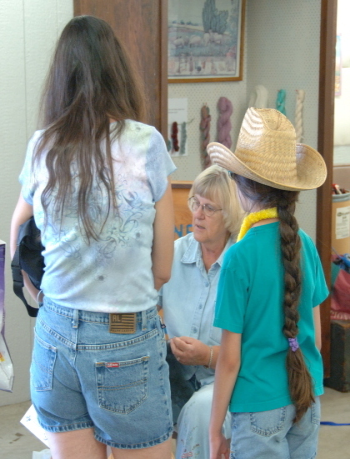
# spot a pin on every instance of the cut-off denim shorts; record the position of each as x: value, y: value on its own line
x: 272, y: 434
x: 83, y: 376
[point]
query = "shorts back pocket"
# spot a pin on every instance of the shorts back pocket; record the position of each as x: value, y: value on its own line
x: 122, y: 386
x: 268, y: 423
x: 43, y: 362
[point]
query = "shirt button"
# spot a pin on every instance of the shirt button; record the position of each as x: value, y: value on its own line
x: 200, y: 306
x: 206, y: 284
x: 195, y: 329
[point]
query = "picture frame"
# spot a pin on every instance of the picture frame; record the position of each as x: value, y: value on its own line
x: 205, y: 40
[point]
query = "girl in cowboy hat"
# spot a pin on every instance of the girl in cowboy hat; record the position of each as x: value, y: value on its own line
x: 269, y: 369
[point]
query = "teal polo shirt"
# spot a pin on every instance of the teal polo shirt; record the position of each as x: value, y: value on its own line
x: 250, y: 302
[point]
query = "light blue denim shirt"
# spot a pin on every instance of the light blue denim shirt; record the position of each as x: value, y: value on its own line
x: 188, y: 299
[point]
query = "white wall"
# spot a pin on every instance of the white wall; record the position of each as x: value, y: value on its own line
x: 188, y: 167
x: 342, y: 101
x: 28, y: 32
x: 283, y: 53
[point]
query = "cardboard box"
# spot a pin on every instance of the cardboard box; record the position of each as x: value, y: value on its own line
x: 341, y: 223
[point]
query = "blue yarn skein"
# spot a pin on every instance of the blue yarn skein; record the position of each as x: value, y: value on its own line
x: 281, y: 97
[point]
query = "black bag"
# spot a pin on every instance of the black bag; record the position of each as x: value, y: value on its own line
x: 28, y: 257
x: 181, y: 388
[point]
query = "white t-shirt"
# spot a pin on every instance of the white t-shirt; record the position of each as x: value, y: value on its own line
x: 113, y: 274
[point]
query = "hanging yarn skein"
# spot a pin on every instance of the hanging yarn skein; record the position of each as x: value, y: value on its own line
x: 281, y: 100
x: 224, y: 123
x: 174, y: 136
x: 204, y: 127
x: 299, y: 129
x: 259, y: 97
x: 183, y: 138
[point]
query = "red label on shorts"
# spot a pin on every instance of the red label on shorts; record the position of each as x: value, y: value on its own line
x: 112, y: 365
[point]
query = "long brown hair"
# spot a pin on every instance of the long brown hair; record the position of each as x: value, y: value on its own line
x: 300, y: 382
x: 90, y: 82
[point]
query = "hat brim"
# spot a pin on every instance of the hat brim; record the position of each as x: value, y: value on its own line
x: 311, y: 168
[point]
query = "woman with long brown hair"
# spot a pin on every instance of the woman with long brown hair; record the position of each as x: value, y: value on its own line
x: 269, y: 370
x: 96, y: 180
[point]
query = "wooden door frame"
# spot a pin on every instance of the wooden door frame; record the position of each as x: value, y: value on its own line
x: 163, y: 109
x: 325, y: 147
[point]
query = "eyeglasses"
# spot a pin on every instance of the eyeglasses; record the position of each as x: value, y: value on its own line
x: 194, y: 205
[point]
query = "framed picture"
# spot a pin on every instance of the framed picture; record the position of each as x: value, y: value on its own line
x: 205, y: 40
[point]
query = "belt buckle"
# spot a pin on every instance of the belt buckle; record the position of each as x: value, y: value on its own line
x: 122, y: 323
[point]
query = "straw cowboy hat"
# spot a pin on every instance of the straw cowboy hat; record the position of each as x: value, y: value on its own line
x: 267, y: 153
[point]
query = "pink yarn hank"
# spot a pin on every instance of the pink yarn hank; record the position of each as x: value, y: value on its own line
x: 224, y: 123
x: 204, y: 127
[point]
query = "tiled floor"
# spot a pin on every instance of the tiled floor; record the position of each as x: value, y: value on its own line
x: 16, y: 442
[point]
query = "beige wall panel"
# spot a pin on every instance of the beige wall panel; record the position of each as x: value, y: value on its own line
x: 41, y: 33
x: 13, y: 141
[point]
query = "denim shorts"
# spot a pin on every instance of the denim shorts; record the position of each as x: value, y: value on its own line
x: 83, y: 376
x: 272, y: 434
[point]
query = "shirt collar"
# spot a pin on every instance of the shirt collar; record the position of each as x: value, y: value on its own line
x: 193, y: 253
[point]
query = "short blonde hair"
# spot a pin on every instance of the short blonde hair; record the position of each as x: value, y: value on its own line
x: 215, y: 184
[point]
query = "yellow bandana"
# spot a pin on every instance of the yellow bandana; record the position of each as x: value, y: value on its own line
x: 254, y: 217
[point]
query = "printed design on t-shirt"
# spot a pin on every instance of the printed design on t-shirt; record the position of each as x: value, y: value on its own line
x: 124, y: 229
x: 121, y: 228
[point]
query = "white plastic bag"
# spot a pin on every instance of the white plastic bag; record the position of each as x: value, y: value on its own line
x: 44, y: 454
x: 6, y: 367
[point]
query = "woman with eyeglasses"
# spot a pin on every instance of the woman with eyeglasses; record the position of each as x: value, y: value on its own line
x: 188, y: 302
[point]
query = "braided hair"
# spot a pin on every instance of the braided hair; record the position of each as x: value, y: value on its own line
x: 299, y: 378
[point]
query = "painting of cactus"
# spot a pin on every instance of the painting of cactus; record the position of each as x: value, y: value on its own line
x: 205, y: 40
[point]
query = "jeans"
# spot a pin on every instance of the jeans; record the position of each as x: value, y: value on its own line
x: 272, y: 434
x: 83, y: 376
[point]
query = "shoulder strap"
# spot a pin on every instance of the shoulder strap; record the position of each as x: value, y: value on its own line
x: 18, y: 284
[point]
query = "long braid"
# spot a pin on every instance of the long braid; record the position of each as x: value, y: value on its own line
x: 300, y: 383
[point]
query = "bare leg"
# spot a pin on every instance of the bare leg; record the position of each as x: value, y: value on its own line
x: 162, y: 451
x: 76, y: 444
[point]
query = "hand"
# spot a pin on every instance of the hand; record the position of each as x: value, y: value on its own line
x: 219, y: 447
x: 190, y: 351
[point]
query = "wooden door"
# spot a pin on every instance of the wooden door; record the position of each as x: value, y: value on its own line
x: 142, y: 26
x: 328, y: 33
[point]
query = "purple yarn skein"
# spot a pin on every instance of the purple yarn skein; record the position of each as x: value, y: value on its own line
x: 224, y: 123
